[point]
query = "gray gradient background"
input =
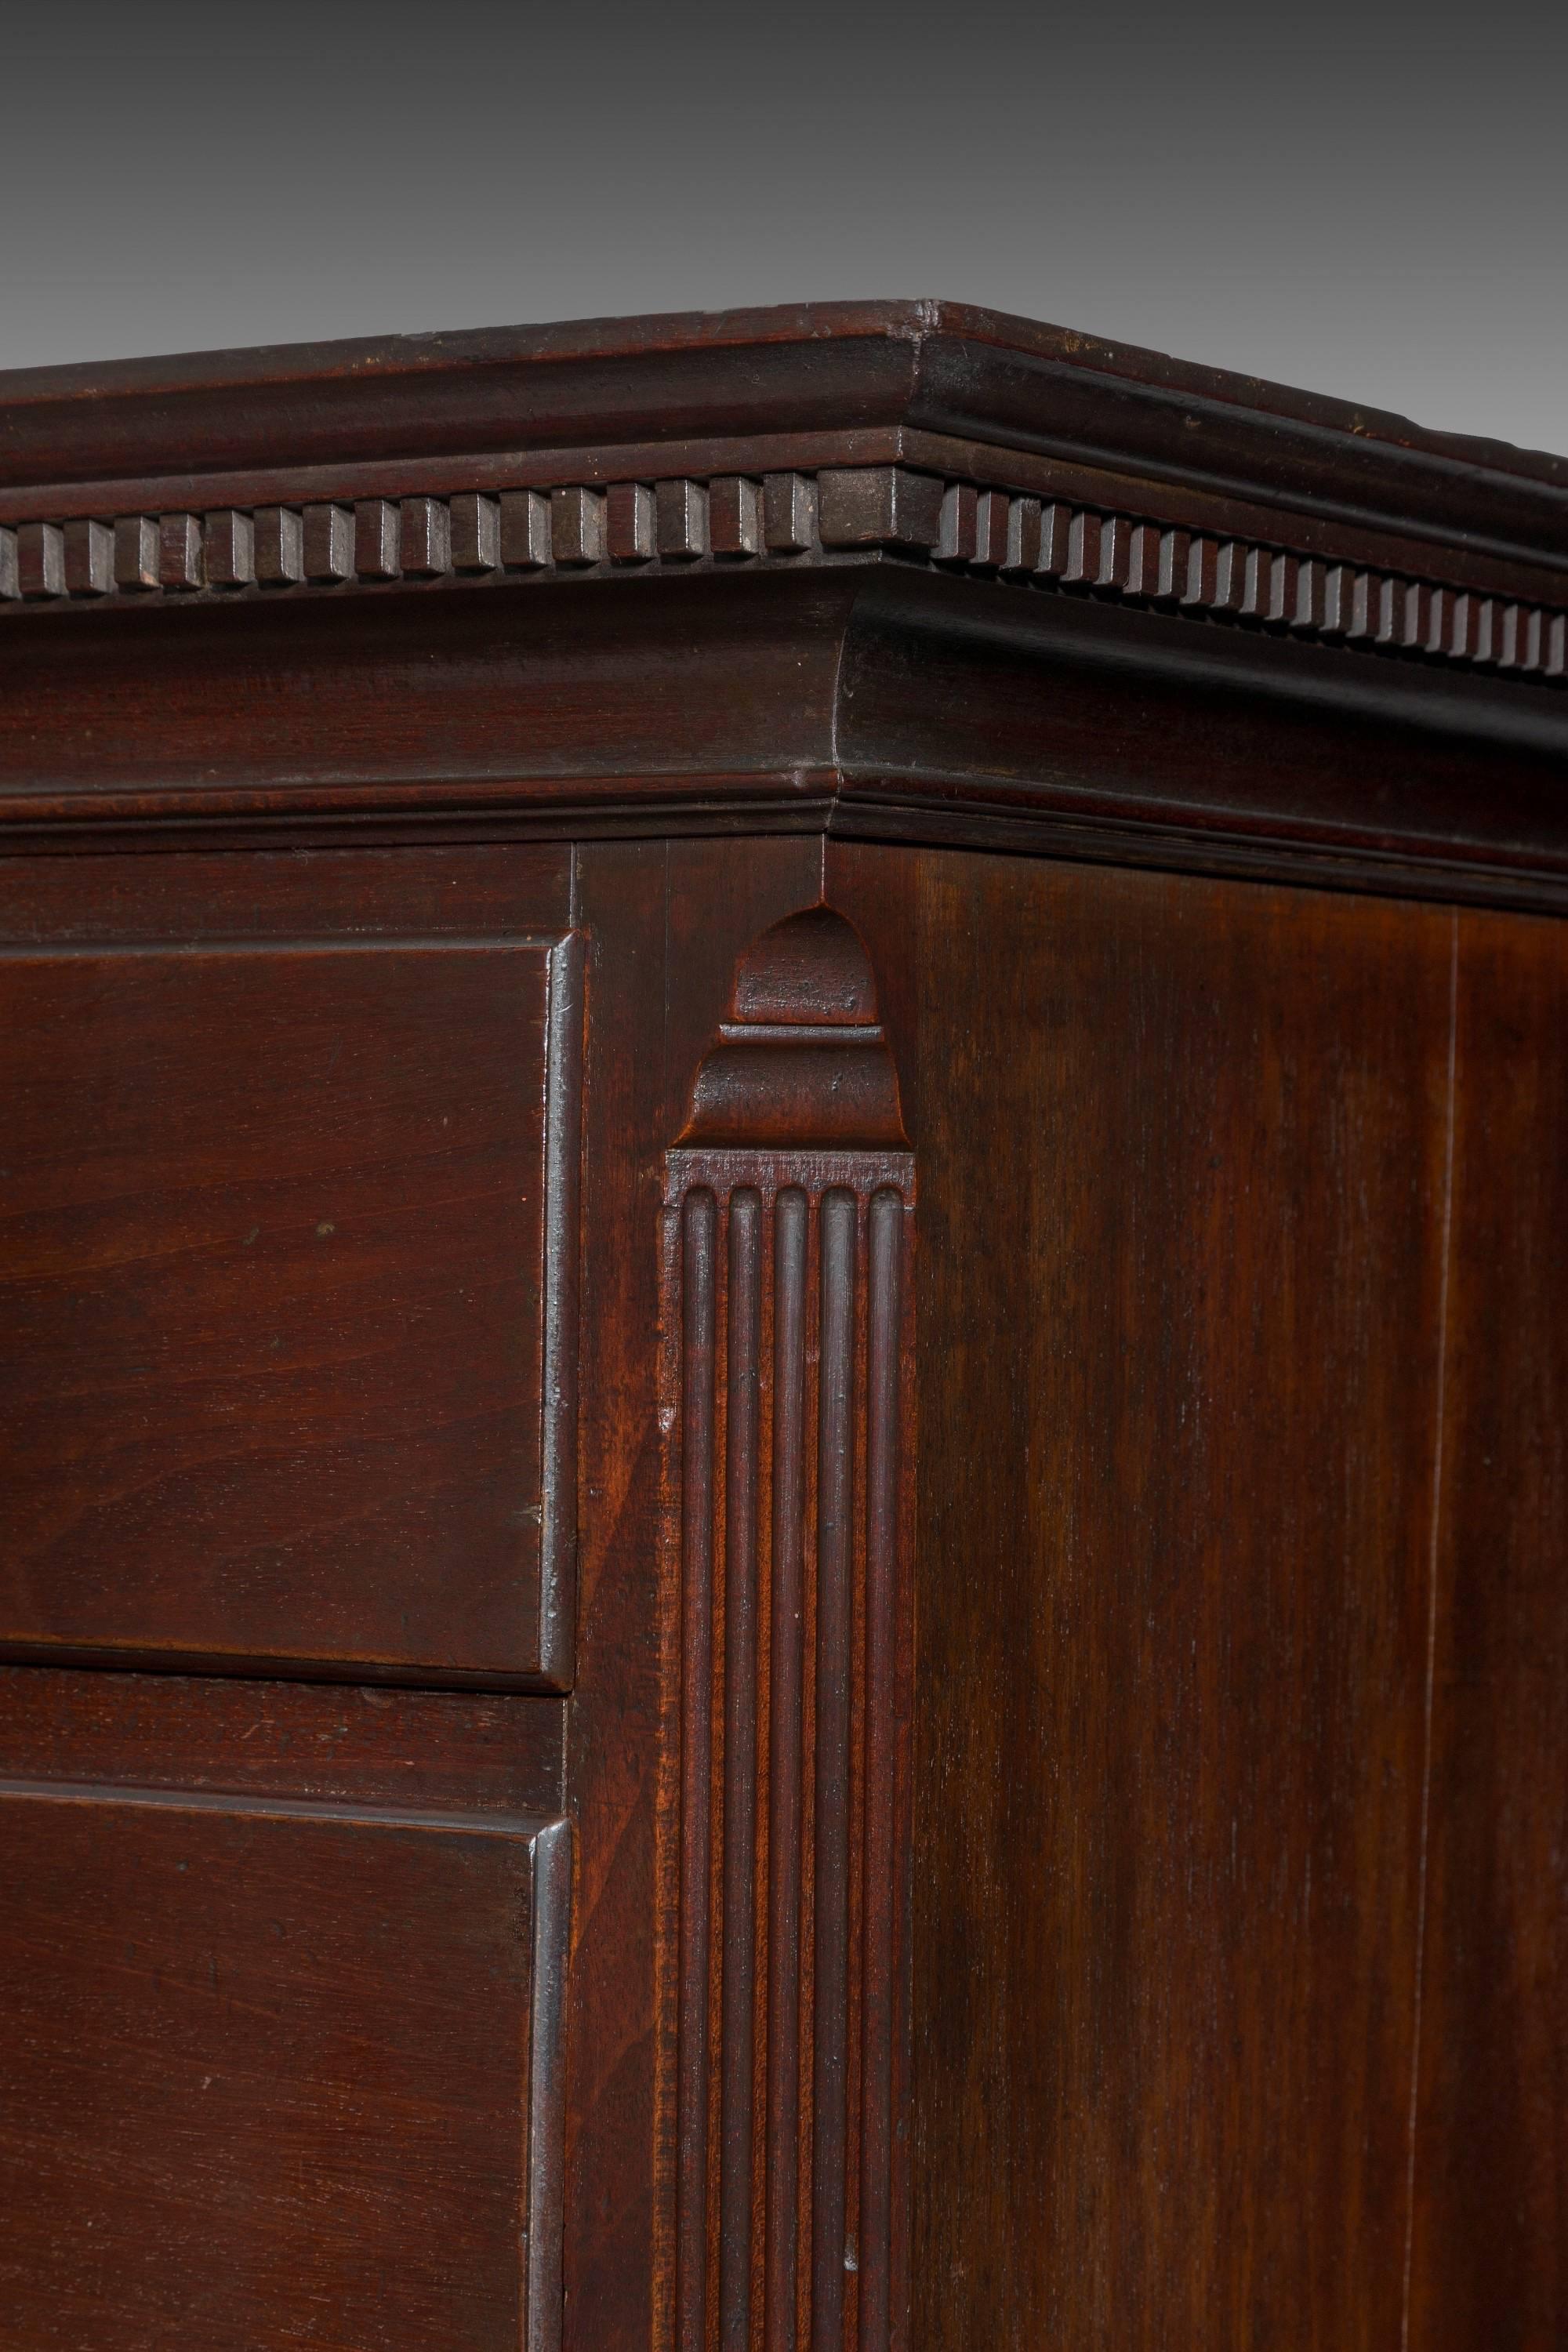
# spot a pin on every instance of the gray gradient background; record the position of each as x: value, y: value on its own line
x: 1368, y: 201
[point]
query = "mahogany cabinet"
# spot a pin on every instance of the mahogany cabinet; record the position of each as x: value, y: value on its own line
x: 783, y: 1347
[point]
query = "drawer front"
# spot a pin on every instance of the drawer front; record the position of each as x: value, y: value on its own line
x: 288, y: 1253
x: 278, y: 2073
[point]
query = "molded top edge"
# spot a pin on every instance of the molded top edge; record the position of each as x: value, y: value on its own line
x: 938, y: 366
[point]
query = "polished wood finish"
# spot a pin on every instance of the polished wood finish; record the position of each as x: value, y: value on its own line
x: 868, y: 1657
x: 786, y: 1313
x: 668, y: 921
x: 938, y: 368
x: 1018, y: 537
x: 1490, y: 2114
x: 351, y: 1163
x: 363, y: 1744
x: 1168, y: 1868
x: 392, y: 2008
x: 784, y: 486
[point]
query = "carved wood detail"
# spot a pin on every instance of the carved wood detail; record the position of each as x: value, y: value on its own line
x: 788, y: 1293
x: 839, y: 513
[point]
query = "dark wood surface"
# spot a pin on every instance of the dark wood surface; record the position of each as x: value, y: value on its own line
x: 914, y: 721
x: 787, y: 1231
x: 264, y: 2074
x: 370, y: 702
x: 1489, y: 2258
x: 868, y: 699
x: 250, y: 1196
x: 882, y: 568
x: 1181, y: 1169
x: 286, y: 894
x: 363, y: 1744
x: 668, y: 921
x: 943, y: 367
x: 1177, y: 1436
x: 1069, y: 726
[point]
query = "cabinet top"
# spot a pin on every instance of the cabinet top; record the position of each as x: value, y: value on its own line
x: 899, y: 371
x: 908, y: 569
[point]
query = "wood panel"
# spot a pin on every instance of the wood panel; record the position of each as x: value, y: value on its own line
x: 276, y: 2074
x: 1182, y: 1153
x: 488, y: 1752
x: 1489, y: 2255
x: 288, y: 894
x: 287, y: 1318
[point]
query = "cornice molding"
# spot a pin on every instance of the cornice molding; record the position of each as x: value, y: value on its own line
x: 927, y: 367
x: 791, y: 519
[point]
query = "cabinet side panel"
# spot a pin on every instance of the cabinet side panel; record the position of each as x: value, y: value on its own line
x: 1490, y: 2249
x: 1181, y: 1169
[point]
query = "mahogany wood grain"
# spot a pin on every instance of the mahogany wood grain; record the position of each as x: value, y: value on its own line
x: 884, y: 701
x: 371, y: 700
x: 786, y: 1355
x: 267, y: 2071
x: 786, y: 1276
x: 288, y: 894
x: 619, y: 1720
x: 1072, y: 1861
x: 939, y: 367
x: 257, y: 1200
x: 1182, y: 1151
x: 365, y: 1745
x: 666, y: 921
x: 1490, y: 2119
x: 1069, y: 724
